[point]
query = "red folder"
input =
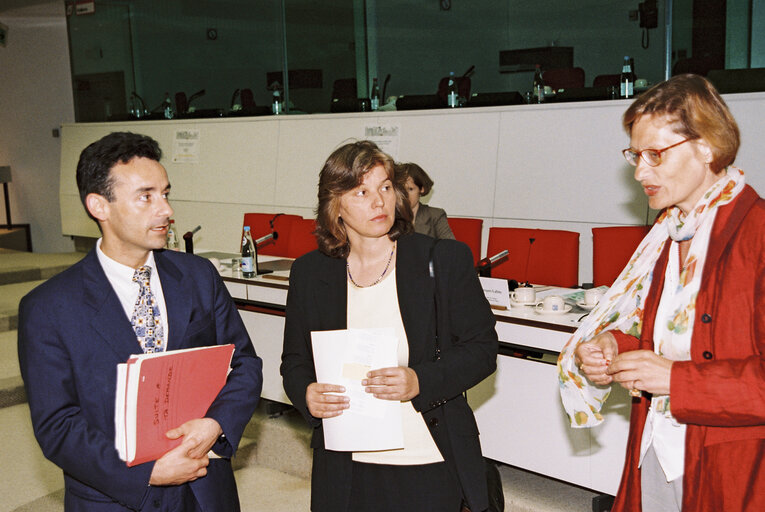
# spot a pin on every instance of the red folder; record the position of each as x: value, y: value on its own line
x: 164, y: 390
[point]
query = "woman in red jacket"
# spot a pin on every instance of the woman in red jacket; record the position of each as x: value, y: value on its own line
x: 683, y: 326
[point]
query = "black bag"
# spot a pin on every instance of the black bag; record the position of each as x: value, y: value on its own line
x: 493, y: 480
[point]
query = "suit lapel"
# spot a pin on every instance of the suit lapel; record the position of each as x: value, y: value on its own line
x: 108, y: 317
x: 178, y: 294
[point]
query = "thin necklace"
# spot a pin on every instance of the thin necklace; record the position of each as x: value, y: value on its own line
x: 385, y: 270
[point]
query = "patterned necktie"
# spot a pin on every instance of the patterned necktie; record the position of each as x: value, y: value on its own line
x: 146, y: 319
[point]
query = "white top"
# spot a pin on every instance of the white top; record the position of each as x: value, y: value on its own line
x: 121, y: 278
x: 662, y: 430
x: 375, y: 307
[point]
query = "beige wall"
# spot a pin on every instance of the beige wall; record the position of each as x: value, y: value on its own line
x: 35, y: 98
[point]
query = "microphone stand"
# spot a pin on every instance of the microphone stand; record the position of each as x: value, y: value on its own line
x: 528, y: 258
x: 188, y: 239
x: 262, y: 242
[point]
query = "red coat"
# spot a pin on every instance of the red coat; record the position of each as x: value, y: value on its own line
x: 720, y: 392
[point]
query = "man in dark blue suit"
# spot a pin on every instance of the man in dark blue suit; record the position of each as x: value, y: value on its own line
x: 75, y: 328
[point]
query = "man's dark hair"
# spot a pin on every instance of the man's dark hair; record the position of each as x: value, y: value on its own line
x: 96, y: 161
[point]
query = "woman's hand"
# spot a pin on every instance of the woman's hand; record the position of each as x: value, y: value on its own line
x: 322, y: 404
x: 594, y: 357
x: 643, y: 370
x: 398, y: 383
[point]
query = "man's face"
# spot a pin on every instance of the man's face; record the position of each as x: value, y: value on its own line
x: 135, y: 221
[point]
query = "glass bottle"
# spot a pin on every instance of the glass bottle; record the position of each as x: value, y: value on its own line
x: 172, y: 239
x: 248, y: 254
x: 538, y: 85
x: 167, y: 107
x: 626, y: 80
x: 375, y: 95
x: 452, y: 95
x: 277, y: 107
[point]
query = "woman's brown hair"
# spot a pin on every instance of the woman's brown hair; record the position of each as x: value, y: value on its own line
x: 418, y: 175
x: 344, y: 170
x: 696, y: 110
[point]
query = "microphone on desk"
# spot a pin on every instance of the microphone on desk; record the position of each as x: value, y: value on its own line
x: 188, y: 239
x: 266, y: 239
x: 485, y: 265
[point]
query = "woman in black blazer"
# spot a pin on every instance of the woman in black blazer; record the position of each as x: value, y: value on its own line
x: 365, y: 245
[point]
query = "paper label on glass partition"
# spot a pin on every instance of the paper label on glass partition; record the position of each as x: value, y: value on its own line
x: 186, y: 147
x: 496, y: 291
x: 385, y: 136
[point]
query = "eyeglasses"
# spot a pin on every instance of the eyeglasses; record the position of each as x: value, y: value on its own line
x: 650, y: 156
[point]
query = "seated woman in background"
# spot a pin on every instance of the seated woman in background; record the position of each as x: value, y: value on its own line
x: 427, y: 219
x: 371, y: 271
x: 683, y: 326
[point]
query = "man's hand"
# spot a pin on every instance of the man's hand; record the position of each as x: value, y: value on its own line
x: 188, y: 461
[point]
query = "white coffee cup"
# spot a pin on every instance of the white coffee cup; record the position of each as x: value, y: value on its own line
x: 553, y: 304
x: 524, y: 294
x: 592, y: 296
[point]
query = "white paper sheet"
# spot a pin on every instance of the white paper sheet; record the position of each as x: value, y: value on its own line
x: 344, y: 357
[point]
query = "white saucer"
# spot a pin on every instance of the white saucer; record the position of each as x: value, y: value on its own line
x: 540, y: 311
x: 588, y: 307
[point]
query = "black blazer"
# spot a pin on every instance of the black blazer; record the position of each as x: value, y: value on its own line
x: 317, y: 300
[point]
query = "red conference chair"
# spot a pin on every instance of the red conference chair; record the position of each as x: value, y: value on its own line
x: 564, y: 78
x: 468, y: 231
x: 302, y: 240
x: 611, y: 250
x: 260, y: 225
x: 542, y: 256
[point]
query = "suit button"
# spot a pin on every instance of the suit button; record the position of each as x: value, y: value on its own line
x: 433, y: 422
x: 705, y: 318
x: 433, y: 405
x: 707, y: 354
x: 157, y: 503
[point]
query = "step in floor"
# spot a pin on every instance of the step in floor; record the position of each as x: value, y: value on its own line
x: 17, y: 267
x: 10, y: 295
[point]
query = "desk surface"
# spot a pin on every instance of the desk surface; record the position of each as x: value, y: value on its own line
x: 521, y: 315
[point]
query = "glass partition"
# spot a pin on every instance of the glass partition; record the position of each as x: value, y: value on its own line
x: 195, y: 58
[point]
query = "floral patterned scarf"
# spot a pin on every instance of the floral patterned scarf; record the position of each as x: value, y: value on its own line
x: 622, y: 306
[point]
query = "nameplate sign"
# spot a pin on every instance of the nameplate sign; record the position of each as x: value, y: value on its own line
x: 496, y: 291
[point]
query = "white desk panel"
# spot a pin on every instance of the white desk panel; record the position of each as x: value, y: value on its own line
x: 259, y: 293
x: 267, y: 333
